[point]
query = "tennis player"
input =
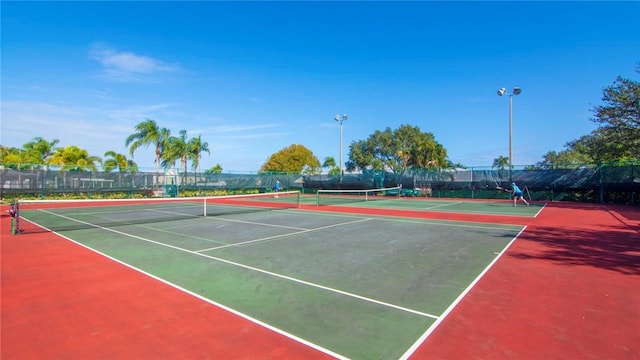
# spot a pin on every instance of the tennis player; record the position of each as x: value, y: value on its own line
x: 517, y: 194
x: 277, y: 187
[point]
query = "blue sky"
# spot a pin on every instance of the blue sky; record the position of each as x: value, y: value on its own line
x: 255, y: 77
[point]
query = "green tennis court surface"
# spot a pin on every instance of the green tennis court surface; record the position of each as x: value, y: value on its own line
x: 486, y: 207
x: 353, y: 286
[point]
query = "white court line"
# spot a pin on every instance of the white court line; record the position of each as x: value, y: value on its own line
x: 442, y: 205
x: 423, y: 221
x: 455, y: 303
x: 539, y: 211
x: 299, y: 281
x: 230, y: 220
x: 200, y: 297
x: 283, y: 235
x: 124, y: 222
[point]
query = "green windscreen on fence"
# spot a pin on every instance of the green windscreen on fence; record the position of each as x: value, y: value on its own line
x: 615, y: 183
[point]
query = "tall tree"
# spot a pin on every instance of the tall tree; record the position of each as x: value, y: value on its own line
x: 215, y: 170
x: 293, y: 159
x: 330, y: 163
x: 176, y: 148
x: 39, y: 151
x: 73, y: 158
x: 13, y: 158
x: 195, y: 149
x: 148, y: 133
x: 617, y: 139
x: 575, y: 155
x: 500, y: 163
x: 399, y: 150
x: 114, y: 160
x: 427, y: 153
x: 618, y: 136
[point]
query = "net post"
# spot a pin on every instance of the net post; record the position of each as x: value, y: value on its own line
x: 14, y: 211
x: 204, y: 206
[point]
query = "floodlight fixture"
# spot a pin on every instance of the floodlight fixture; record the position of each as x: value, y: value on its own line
x: 501, y: 92
x: 340, y: 119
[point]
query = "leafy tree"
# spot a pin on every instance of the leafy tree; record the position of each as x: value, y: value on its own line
x: 618, y: 137
x: 501, y: 163
x: 574, y: 156
x: 176, y: 148
x: 399, y: 150
x: 195, y: 149
x: 33, y: 154
x: 330, y: 163
x: 73, y: 158
x: 427, y: 153
x: 452, y: 165
x: 13, y: 158
x: 39, y: 151
x: 118, y: 161
x: 293, y: 159
x: 215, y: 170
x: 148, y: 133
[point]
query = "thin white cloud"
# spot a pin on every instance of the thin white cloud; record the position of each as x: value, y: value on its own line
x: 256, y: 136
x: 238, y: 128
x: 138, y: 113
x: 123, y: 66
x: 55, y: 121
x: 89, y: 128
x: 100, y: 129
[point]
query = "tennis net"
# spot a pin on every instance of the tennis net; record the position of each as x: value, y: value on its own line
x: 61, y: 215
x: 338, y: 197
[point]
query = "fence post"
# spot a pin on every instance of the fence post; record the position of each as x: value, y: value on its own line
x: 600, y: 167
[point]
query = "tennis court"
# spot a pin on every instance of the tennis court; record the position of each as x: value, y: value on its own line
x: 463, y: 206
x: 357, y: 286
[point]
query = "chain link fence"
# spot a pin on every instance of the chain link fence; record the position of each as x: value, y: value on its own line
x: 618, y: 184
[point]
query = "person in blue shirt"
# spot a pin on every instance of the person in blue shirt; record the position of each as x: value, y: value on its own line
x: 277, y: 187
x: 517, y: 194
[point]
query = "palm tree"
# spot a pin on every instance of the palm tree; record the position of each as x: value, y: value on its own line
x: 148, y: 133
x: 500, y: 163
x: 73, y: 158
x: 195, y: 149
x: 176, y: 148
x: 330, y: 162
x: 215, y: 170
x: 39, y: 151
x: 118, y: 161
x: 12, y: 158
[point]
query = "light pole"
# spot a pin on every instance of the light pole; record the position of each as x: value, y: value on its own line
x: 340, y: 119
x: 516, y: 91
